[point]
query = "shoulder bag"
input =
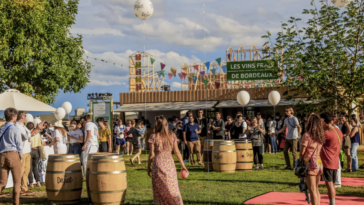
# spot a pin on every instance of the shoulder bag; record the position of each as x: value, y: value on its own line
x: 302, y: 169
x: 342, y: 154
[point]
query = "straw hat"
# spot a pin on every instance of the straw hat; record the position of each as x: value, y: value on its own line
x: 58, y: 123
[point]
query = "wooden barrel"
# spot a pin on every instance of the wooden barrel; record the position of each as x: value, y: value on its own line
x: 88, y: 169
x: 207, y: 154
x: 64, y: 179
x: 107, y: 179
x: 224, y: 156
x: 244, y: 155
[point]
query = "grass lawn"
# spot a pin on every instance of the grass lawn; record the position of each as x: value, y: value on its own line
x: 209, y: 187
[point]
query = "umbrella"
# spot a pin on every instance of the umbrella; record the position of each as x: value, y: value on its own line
x: 15, y: 99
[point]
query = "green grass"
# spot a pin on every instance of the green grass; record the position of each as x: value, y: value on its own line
x: 210, y: 187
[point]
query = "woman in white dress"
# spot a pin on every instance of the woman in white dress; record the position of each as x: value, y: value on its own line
x: 59, y: 138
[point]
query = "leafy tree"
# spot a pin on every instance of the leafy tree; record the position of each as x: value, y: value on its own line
x: 324, y: 60
x: 38, y: 55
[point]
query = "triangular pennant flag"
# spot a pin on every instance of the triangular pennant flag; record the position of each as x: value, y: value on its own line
x: 184, y: 75
x: 138, y: 79
x: 202, y: 73
x: 162, y: 66
x: 213, y: 71
x: 207, y: 64
x: 217, y: 84
x: 229, y: 56
x: 224, y: 68
x: 121, y: 65
x: 162, y: 73
x: 173, y: 71
x: 180, y: 76
x: 170, y: 75
x: 218, y: 61
x: 152, y: 60
x: 159, y: 74
x: 206, y: 81
x: 184, y: 70
x: 194, y: 79
x: 196, y: 67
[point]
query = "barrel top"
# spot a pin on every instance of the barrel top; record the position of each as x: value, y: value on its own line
x: 242, y: 140
x: 111, y: 156
x: 63, y: 156
x: 224, y: 142
x: 211, y: 140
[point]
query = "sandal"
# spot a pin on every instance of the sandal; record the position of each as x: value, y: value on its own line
x: 348, y: 170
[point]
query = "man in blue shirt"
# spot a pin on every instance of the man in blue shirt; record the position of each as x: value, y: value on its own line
x: 190, y: 138
x: 11, y: 146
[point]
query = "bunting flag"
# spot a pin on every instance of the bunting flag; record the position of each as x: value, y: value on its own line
x: 206, y: 81
x: 196, y: 67
x: 138, y: 65
x: 184, y: 70
x: 159, y: 74
x: 138, y: 79
x: 207, y: 64
x: 191, y: 74
x: 300, y: 77
x: 170, y: 75
x: 163, y: 65
x: 217, y: 84
x: 184, y: 75
x: 102, y: 60
x: 213, y: 71
x: 152, y: 60
x: 224, y: 68
x: 229, y: 56
x: 202, y: 73
x: 180, y: 76
x: 218, y: 61
x: 194, y: 79
x: 172, y: 70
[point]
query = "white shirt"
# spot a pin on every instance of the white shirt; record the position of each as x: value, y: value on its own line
x: 272, y: 127
x: 94, y: 130
x: 25, y: 134
x: 118, y: 130
x: 243, y: 135
x: 76, y: 134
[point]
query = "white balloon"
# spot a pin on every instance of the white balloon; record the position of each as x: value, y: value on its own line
x: 143, y: 9
x: 60, y: 113
x: 67, y: 106
x: 28, y: 118
x: 36, y: 121
x: 274, y: 97
x: 341, y: 3
x: 243, y: 98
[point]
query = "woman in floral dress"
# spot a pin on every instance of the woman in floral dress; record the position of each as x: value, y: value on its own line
x: 163, y: 173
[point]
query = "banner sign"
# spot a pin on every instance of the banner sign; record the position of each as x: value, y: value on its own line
x: 102, y: 109
x: 251, y: 70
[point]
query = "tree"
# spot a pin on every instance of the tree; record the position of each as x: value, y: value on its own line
x: 38, y: 54
x: 325, y: 59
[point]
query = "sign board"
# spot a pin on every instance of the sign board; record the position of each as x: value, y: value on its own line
x: 101, y: 109
x: 251, y: 70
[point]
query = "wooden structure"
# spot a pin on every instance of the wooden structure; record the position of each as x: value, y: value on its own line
x: 142, y: 76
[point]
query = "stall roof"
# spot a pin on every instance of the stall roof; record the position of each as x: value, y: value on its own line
x: 262, y: 103
x: 166, y: 106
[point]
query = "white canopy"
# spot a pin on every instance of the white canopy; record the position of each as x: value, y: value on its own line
x: 15, y: 99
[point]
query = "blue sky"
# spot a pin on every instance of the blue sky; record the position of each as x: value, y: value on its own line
x: 174, y: 35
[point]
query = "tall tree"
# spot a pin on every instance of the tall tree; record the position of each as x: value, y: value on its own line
x: 38, y: 54
x: 324, y: 60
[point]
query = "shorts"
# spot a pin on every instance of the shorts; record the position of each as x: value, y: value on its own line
x: 347, y: 143
x: 120, y: 141
x: 136, y: 143
x: 268, y: 139
x: 329, y: 175
x: 129, y: 139
x: 104, y: 147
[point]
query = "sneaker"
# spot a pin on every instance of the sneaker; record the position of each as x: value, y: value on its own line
x: 337, y: 185
x: 262, y: 167
x: 256, y: 168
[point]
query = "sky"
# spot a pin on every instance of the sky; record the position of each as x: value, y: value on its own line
x: 177, y: 32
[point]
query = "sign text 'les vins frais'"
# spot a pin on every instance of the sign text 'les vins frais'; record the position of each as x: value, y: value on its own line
x: 251, y: 70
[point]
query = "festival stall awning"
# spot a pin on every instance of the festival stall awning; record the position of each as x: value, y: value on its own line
x: 167, y: 106
x: 15, y: 99
x: 262, y: 103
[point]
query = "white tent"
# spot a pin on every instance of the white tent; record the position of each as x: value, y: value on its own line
x: 15, y: 99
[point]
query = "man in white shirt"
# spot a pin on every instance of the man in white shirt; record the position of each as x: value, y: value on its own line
x: 120, y: 136
x: 91, y: 144
x: 26, y: 134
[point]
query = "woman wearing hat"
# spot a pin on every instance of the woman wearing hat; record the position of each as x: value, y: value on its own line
x: 59, y: 138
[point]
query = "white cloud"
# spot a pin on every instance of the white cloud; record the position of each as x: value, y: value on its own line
x: 103, y: 83
x: 97, y: 32
x: 176, y: 85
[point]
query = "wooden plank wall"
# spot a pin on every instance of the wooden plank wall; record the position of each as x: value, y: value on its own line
x: 196, y: 95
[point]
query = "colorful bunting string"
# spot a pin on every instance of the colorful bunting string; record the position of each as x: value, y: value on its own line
x: 206, y: 81
x: 194, y: 79
x: 180, y: 76
x: 173, y: 71
x: 152, y: 60
x: 213, y: 71
x: 202, y: 73
x: 207, y: 64
x: 170, y: 75
x: 224, y: 68
x: 218, y: 61
x: 229, y: 56
x: 162, y: 66
x: 217, y: 84
x: 196, y: 67
x: 102, y: 60
x: 184, y: 70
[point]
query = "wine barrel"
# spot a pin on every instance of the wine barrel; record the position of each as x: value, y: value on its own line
x: 64, y: 179
x: 224, y: 156
x: 88, y: 169
x: 107, y: 179
x: 244, y: 155
x: 207, y: 154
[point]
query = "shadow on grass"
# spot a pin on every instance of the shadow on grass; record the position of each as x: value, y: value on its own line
x: 243, y: 181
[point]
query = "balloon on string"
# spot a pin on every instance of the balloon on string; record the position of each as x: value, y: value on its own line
x: 274, y: 97
x: 143, y: 9
x: 243, y: 98
x: 67, y: 106
x: 341, y: 3
x: 60, y: 113
x: 36, y: 121
x: 28, y: 118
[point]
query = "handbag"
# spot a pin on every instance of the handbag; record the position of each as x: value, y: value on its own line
x: 302, y: 169
x: 342, y: 154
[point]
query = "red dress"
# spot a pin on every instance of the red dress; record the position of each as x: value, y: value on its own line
x: 164, y: 174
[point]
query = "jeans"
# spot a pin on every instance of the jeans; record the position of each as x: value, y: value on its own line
x: 75, y: 149
x: 257, y: 153
x: 273, y: 143
x: 354, y: 156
